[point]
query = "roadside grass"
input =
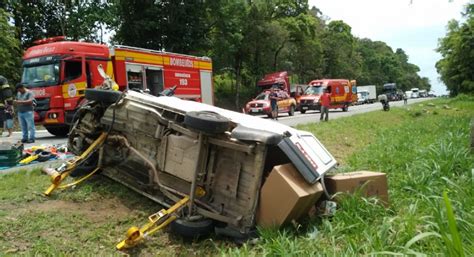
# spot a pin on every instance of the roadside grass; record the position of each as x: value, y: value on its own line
x: 423, y: 148
x: 87, y: 220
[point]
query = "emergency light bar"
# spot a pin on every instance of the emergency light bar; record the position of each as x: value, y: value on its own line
x: 49, y: 40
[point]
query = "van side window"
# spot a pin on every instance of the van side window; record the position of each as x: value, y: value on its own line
x: 72, y: 70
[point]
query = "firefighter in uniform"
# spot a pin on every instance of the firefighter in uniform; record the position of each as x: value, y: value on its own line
x: 5, y: 94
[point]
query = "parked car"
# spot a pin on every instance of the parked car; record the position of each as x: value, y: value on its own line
x: 261, y: 104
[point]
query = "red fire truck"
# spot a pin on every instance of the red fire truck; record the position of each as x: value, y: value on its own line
x: 59, y: 71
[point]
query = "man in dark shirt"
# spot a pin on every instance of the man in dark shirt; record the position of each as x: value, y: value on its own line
x: 274, y: 103
x: 325, y: 103
x: 25, y: 103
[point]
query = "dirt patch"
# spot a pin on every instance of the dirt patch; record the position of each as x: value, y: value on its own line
x: 95, y: 211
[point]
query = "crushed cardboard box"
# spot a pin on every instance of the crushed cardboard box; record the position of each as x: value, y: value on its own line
x: 374, y: 184
x: 285, y: 196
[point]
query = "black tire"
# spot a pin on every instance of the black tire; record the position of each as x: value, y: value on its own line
x: 59, y: 131
x: 86, y: 167
x: 100, y: 95
x: 44, y: 156
x: 192, y: 229
x: 207, y: 121
x: 303, y: 111
x: 292, y: 110
x: 345, y: 108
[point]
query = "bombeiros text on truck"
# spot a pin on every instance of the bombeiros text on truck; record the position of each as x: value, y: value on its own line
x: 59, y: 71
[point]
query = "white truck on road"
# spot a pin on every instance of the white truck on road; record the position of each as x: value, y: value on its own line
x: 367, y: 94
x: 415, y: 92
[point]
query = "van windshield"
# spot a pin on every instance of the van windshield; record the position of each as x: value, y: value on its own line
x: 313, y: 90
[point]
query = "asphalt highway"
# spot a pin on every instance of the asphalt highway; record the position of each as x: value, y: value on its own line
x: 45, y: 138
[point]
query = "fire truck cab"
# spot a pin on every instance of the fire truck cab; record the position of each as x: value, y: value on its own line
x: 59, y: 71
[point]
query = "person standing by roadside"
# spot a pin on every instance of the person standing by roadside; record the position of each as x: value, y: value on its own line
x: 25, y: 103
x: 325, y: 103
x: 405, y: 99
x: 274, y: 103
x: 9, y: 117
x: 5, y: 94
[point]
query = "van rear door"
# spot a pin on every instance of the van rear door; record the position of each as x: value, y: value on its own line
x: 308, y: 155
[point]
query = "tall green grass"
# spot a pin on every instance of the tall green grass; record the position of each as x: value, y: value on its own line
x: 423, y: 155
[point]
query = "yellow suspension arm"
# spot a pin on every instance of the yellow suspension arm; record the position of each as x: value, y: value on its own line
x: 59, y: 174
x: 157, y: 221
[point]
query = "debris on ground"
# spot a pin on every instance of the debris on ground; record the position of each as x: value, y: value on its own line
x: 14, y: 154
x: 370, y: 183
x: 285, y: 196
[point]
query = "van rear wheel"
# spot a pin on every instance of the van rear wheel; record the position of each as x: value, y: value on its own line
x: 207, y: 122
x: 192, y: 229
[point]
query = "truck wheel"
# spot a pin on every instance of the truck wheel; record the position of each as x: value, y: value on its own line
x: 100, y: 95
x: 192, y: 229
x: 345, y: 108
x: 207, y: 121
x: 303, y: 111
x: 292, y: 110
x: 59, y: 131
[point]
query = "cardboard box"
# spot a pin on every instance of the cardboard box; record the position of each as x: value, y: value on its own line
x: 285, y: 196
x: 349, y: 182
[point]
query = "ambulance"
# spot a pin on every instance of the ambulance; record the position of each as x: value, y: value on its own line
x: 343, y: 94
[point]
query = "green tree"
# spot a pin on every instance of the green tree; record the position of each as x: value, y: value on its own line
x: 340, y: 57
x: 78, y: 20
x: 175, y: 26
x: 10, y: 52
x: 456, y: 66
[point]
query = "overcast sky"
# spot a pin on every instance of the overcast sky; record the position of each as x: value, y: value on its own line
x: 413, y: 25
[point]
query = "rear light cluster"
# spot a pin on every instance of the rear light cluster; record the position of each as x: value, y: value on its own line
x: 315, y: 166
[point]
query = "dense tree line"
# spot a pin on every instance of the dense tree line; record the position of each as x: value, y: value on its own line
x: 246, y: 39
x: 457, y: 50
